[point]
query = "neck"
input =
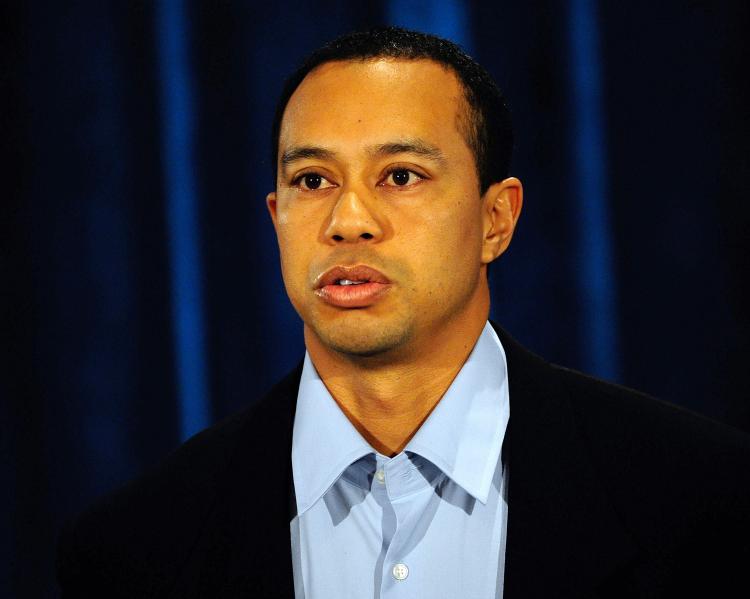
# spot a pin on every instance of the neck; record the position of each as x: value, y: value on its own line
x: 387, y: 398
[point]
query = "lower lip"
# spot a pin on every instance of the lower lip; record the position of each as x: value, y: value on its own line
x: 352, y: 296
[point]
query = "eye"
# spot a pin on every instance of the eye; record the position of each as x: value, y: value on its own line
x: 402, y: 177
x: 311, y: 182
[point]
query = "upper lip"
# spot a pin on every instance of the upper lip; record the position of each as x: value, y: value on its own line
x: 359, y: 272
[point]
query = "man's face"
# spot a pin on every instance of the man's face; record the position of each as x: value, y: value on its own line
x: 376, y: 178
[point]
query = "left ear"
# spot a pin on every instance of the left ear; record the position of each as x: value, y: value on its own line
x: 501, y: 207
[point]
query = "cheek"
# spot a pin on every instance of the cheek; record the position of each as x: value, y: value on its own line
x: 445, y: 255
x: 282, y: 218
x: 450, y: 237
x: 293, y: 249
x: 296, y: 235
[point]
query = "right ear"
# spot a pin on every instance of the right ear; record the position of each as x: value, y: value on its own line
x: 271, y: 205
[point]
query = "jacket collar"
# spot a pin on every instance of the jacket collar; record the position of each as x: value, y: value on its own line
x: 564, y: 537
x: 243, y: 548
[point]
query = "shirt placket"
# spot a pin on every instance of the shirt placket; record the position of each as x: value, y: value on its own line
x: 403, y: 494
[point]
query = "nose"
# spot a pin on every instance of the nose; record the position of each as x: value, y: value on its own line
x: 352, y: 221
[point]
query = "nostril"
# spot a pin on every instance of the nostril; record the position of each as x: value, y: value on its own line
x: 366, y: 236
x: 338, y: 238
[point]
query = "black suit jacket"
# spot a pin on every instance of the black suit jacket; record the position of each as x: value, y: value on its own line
x: 611, y: 494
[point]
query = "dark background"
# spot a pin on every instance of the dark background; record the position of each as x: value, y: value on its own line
x: 141, y: 296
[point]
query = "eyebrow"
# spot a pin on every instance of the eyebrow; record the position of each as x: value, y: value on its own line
x: 402, y: 146
x: 301, y: 152
x: 408, y: 146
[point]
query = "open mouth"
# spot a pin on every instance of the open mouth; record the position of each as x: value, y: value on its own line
x: 349, y: 282
x: 357, y: 286
x: 346, y: 276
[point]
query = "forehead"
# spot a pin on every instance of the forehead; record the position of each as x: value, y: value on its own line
x: 374, y: 100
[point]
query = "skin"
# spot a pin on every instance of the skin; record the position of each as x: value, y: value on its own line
x: 387, y: 365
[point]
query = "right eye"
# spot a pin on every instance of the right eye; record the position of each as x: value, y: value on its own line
x: 312, y: 181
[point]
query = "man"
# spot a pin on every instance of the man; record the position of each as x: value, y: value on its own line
x: 418, y: 451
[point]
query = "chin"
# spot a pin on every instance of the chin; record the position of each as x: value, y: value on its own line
x: 363, y: 339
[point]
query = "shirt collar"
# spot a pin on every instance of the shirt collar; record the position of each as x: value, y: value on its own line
x: 324, y: 442
x: 462, y: 436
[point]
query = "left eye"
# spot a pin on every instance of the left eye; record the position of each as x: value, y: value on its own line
x: 402, y: 177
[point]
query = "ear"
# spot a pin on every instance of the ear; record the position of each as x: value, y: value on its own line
x: 501, y: 204
x: 271, y: 205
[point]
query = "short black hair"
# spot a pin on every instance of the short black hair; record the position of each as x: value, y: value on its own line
x: 487, y: 126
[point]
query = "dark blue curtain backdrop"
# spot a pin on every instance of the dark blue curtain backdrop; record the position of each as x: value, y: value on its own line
x: 141, y: 293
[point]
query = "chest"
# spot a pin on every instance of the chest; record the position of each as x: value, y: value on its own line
x: 405, y: 534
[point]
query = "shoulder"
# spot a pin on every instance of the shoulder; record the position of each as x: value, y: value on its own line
x: 152, y: 519
x: 666, y: 469
x: 635, y: 425
x: 659, y: 463
x: 620, y: 423
x: 137, y: 536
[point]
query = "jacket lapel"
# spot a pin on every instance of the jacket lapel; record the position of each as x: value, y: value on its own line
x: 564, y: 538
x: 244, y: 546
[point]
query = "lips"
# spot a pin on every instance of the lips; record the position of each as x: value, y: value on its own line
x: 351, y: 286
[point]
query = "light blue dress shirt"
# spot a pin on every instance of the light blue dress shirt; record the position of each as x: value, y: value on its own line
x: 429, y: 522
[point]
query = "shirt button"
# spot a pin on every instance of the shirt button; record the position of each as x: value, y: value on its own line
x: 380, y: 476
x: 400, y: 571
